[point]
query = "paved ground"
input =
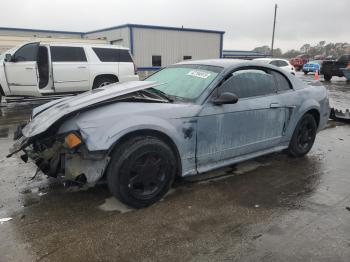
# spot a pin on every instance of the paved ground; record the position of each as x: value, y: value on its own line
x: 274, y: 208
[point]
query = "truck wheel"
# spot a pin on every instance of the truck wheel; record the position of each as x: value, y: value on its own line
x: 327, y: 77
x: 141, y: 171
x: 103, y: 81
x: 303, y: 137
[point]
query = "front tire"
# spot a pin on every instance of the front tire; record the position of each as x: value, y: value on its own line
x: 327, y: 77
x: 303, y: 137
x: 141, y: 171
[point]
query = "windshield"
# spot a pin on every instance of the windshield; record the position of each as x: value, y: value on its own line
x: 185, y: 81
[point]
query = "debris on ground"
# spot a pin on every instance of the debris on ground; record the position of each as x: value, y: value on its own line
x: 5, y: 219
x: 257, y: 236
x: 347, y: 208
x: 340, y: 116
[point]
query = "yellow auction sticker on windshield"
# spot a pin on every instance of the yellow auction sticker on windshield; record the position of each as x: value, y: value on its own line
x: 198, y: 73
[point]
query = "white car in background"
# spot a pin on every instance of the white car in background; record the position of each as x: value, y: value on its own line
x: 42, y: 69
x: 279, y: 62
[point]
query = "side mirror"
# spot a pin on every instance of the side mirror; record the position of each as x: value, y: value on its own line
x: 8, y: 58
x: 225, y: 98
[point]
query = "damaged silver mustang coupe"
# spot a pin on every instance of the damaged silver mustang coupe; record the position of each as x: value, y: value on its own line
x: 185, y: 119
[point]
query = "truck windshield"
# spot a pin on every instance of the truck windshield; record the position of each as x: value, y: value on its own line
x: 185, y: 81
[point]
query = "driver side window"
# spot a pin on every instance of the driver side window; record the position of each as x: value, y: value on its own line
x: 26, y: 53
x: 249, y: 83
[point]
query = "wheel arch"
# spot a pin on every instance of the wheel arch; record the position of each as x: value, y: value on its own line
x: 315, y: 113
x: 1, y: 91
x: 154, y: 133
x: 99, y: 76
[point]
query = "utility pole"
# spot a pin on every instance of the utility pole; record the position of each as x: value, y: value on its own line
x: 273, y: 31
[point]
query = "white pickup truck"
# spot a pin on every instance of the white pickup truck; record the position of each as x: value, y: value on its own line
x: 42, y: 69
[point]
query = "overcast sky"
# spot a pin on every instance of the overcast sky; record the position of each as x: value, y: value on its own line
x: 247, y: 23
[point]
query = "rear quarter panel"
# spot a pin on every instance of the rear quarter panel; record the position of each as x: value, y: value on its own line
x: 303, y: 99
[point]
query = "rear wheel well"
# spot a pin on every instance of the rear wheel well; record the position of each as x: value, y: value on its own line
x: 315, y: 114
x: 112, y: 77
x: 148, y: 132
x: 1, y: 91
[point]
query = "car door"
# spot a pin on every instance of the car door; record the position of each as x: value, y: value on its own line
x: 70, y: 69
x: 22, y: 71
x: 252, y: 124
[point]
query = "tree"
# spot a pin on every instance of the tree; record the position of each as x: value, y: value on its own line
x: 329, y: 49
x: 305, y: 48
x: 262, y: 49
x: 277, y: 52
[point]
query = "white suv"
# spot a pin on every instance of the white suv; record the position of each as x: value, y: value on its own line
x: 40, y: 69
x: 281, y: 63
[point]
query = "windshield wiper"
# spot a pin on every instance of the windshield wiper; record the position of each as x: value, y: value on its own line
x: 160, y: 94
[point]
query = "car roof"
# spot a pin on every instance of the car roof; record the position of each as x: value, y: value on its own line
x: 227, y: 63
x: 77, y: 44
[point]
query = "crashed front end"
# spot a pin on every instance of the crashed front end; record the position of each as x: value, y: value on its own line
x: 63, y: 152
x: 63, y: 156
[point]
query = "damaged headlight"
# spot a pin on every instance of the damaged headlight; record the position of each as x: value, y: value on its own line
x: 72, y: 140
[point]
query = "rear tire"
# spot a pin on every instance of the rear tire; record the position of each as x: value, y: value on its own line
x: 103, y: 81
x: 305, y: 73
x: 303, y: 137
x: 141, y: 171
x: 327, y: 77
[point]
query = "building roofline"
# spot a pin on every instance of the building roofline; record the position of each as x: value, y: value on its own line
x: 40, y: 30
x: 112, y: 28
x: 157, y: 27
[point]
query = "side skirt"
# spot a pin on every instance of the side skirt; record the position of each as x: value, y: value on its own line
x: 241, y: 158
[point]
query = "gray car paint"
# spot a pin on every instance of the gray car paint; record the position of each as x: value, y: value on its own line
x: 206, y: 136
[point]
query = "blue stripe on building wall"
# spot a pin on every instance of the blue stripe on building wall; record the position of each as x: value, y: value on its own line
x: 152, y: 68
x: 131, y: 40
x: 221, y: 45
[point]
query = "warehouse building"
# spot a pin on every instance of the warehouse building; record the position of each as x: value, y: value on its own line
x: 152, y: 47
x: 158, y: 46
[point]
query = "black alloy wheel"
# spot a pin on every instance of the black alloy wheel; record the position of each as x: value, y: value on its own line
x: 304, y: 136
x: 141, y: 171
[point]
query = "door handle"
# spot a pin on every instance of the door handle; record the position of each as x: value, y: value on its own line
x: 81, y: 67
x: 274, y: 105
x: 29, y: 68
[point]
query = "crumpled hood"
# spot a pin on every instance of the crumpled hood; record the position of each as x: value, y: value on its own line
x: 48, y: 116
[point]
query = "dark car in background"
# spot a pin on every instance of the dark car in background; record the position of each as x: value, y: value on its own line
x: 334, y: 67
